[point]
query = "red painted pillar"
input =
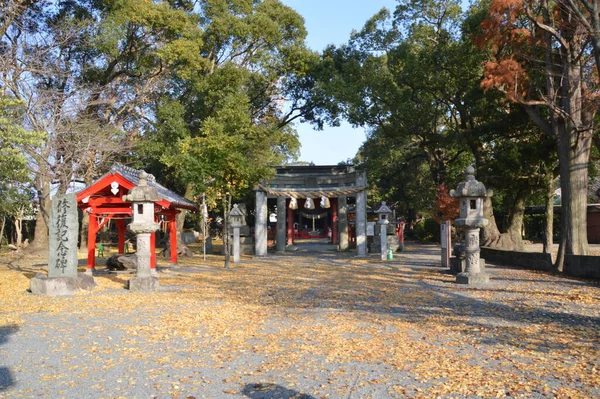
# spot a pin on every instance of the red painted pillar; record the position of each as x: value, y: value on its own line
x: 290, y: 225
x: 121, y: 229
x: 153, y: 251
x: 92, y: 230
x: 173, y: 239
x: 335, y: 238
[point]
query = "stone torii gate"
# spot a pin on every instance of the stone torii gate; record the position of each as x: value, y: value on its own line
x: 336, y: 183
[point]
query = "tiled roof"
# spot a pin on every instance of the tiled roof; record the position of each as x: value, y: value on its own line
x: 132, y: 175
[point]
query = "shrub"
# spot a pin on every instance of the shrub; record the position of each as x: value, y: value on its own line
x: 428, y: 230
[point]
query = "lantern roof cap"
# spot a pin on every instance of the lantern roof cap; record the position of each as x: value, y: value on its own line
x: 236, y: 211
x: 383, y: 208
x: 470, y: 187
x: 143, y: 192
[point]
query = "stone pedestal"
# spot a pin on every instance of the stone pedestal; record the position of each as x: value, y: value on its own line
x: 144, y: 279
x: 383, y: 241
x: 59, y: 286
x: 472, y: 274
x: 146, y: 283
x: 236, y: 245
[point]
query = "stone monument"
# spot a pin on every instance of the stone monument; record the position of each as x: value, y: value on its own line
x: 471, y: 194
x: 143, y: 198
x: 62, y: 278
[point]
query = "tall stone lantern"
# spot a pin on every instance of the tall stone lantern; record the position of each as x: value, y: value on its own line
x: 383, y: 219
x: 143, y: 198
x: 471, y: 194
x: 236, y: 217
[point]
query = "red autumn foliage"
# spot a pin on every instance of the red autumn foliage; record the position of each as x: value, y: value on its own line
x: 447, y: 206
x: 499, y: 30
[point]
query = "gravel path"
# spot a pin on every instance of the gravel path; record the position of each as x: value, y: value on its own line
x: 310, y: 325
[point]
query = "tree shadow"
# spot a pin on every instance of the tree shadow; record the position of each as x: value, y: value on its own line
x: 496, y: 314
x: 6, y: 378
x: 272, y: 391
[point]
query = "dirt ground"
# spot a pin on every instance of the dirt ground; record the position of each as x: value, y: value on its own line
x: 311, y: 324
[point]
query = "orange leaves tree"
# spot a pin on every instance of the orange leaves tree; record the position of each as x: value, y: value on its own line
x: 541, y: 57
x: 447, y: 207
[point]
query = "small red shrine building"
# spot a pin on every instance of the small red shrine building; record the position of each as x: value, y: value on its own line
x: 102, y: 201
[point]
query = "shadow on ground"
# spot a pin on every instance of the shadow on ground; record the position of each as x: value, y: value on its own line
x: 272, y: 391
x: 6, y: 378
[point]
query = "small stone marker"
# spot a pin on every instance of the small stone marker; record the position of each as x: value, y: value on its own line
x: 62, y: 278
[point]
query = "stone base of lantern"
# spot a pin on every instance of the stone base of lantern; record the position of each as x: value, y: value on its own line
x: 458, y: 265
x: 146, y: 284
x: 57, y: 286
x: 472, y: 278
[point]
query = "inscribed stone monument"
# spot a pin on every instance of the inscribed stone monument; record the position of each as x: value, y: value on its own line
x: 62, y: 278
x: 64, y: 228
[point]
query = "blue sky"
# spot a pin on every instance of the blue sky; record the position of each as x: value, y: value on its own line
x: 330, y: 22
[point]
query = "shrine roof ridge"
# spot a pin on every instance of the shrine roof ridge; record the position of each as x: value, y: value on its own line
x: 132, y: 175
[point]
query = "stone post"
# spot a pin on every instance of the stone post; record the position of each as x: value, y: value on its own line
x: 343, y: 223
x: 361, y: 223
x: 361, y: 215
x: 236, y: 245
x: 143, y: 198
x: 446, y: 241
x: 383, y: 239
x: 260, y: 224
x: 281, y: 225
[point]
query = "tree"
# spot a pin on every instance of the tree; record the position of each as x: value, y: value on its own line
x: 226, y: 118
x: 14, y: 177
x: 541, y: 59
x: 87, y: 71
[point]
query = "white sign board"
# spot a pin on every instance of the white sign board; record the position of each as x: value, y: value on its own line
x: 370, y: 229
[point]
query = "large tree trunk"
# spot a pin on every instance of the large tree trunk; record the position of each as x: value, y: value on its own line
x: 511, y: 239
x: 549, y: 224
x: 18, y: 222
x: 226, y: 241
x: 2, y: 225
x: 40, y: 243
x: 573, y: 151
x: 85, y: 222
x: 574, y: 141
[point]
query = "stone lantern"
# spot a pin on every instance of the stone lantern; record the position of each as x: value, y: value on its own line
x: 143, y: 198
x: 236, y: 218
x: 471, y: 194
x: 383, y: 215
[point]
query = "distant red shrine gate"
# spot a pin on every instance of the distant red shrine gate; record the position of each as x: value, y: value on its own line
x: 102, y: 201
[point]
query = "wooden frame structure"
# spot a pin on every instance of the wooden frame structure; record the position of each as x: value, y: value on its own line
x: 102, y: 201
